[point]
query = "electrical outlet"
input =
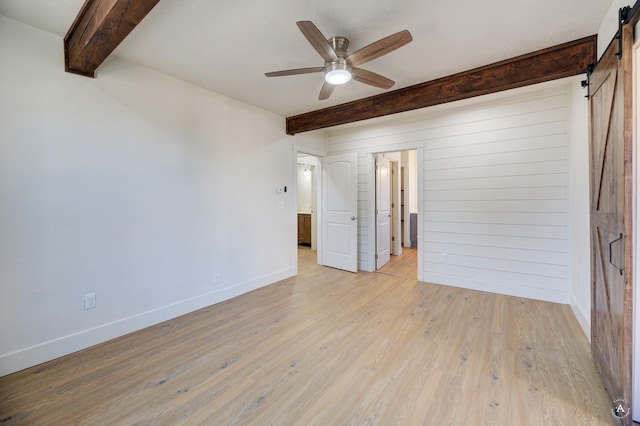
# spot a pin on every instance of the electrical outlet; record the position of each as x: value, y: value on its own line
x: 216, y: 278
x: 90, y: 301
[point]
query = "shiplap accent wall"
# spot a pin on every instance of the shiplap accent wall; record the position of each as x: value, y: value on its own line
x: 494, y: 209
x: 495, y: 199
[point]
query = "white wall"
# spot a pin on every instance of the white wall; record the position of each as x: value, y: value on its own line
x: 609, y: 25
x: 495, y: 189
x: 579, y: 230
x: 135, y: 186
x: 305, y: 200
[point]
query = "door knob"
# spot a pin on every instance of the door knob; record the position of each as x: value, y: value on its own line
x: 353, y: 218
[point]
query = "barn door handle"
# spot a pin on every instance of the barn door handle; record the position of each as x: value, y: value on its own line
x: 611, y: 254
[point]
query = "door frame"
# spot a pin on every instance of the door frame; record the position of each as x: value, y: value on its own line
x: 396, y: 212
x: 310, y: 163
x: 370, y: 164
x: 381, y: 160
x: 318, y: 179
x: 367, y: 160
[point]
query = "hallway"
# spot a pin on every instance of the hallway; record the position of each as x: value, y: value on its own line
x: 405, y: 265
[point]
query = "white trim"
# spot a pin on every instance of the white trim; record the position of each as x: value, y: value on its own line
x: 302, y: 149
x: 407, y: 146
x: 420, y: 238
x: 294, y: 188
x: 494, y: 287
x: 579, y: 266
x: 396, y: 240
x: 319, y: 209
x: 46, y: 351
x: 370, y: 263
x: 582, y: 317
x: 318, y: 154
x: 371, y: 209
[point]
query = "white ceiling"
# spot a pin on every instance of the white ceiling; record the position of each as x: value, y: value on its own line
x: 227, y: 46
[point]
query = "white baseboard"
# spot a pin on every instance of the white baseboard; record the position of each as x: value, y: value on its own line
x: 546, y: 295
x: 55, y: 348
x: 583, y: 319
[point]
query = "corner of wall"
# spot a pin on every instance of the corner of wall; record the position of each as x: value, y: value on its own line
x: 135, y: 212
x: 580, y: 254
x: 584, y: 319
x: 55, y: 348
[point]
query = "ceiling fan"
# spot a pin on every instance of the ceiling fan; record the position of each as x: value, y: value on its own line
x: 339, y: 67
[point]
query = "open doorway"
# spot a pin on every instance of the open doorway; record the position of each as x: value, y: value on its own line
x: 329, y: 203
x: 307, y: 168
x: 396, y: 213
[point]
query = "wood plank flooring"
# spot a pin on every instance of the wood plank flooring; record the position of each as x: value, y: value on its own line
x: 329, y: 348
x: 405, y: 265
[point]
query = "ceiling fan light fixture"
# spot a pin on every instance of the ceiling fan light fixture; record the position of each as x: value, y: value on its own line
x: 337, y: 73
x: 340, y: 67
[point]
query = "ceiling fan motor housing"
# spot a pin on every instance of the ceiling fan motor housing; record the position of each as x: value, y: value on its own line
x: 340, y: 45
x: 338, y: 72
x: 340, y: 67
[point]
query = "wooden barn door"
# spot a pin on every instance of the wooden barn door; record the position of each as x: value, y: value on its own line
x: 611, y: 136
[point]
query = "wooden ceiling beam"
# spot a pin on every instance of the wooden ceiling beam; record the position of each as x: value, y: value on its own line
x: 98, y: 29
x: 564, y: 60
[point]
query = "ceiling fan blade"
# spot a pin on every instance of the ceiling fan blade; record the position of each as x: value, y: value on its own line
x: 294, y: 71
x: 326, y: 91
x: 371, y: 78
x: 379, y: 48
x: 317, y: 40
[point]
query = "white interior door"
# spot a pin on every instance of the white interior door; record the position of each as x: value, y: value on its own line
x: 396, y: 217
x: 340, y: 208
x: 383, y: 212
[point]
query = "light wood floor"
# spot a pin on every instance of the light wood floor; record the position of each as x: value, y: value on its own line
x: 405, y: 265
x: 329, y: 348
